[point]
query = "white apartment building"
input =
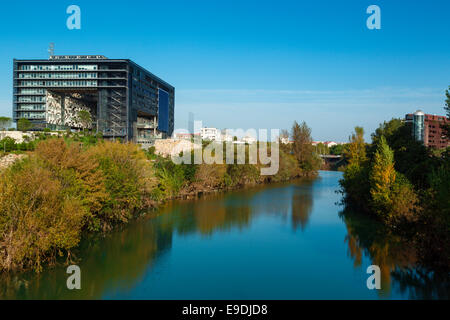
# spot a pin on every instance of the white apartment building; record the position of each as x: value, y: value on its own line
x: 212, y: 134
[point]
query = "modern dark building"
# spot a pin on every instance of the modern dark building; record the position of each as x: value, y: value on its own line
x: 427, y: 128
x: 123, y: 99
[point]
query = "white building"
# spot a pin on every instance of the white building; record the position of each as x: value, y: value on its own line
x: 212, y: 134
x: 330, y: 144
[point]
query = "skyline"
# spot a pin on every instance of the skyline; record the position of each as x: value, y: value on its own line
x: 256, y: 64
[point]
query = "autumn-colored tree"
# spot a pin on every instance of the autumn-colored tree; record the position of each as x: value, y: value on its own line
x: 382, y: 178
x: 355, y: 152
x: 392, y: 195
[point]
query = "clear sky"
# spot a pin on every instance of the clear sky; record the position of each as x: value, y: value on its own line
x: 256, y: 64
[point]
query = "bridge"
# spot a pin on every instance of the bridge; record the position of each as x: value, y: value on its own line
x: 332, y: 162
x: 330, y: 156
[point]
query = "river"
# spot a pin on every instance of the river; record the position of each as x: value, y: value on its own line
x: 283, y: 241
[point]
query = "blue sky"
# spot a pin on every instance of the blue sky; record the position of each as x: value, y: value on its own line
x: 256, y: 64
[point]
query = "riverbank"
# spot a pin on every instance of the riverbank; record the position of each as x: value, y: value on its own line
x: 404, y: 185
x: 255, y: 242
x: 67, y: 188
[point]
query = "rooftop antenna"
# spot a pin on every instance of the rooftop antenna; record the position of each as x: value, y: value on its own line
x: 51, y: 49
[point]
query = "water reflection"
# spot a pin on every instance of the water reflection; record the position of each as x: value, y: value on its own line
x: 119, y: 260
x: 397, y: 257
x: 140, y: 255
x: 302, y: 204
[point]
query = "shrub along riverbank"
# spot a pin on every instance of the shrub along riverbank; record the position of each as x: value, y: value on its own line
x: 403, y: 184
x: 75, y: 185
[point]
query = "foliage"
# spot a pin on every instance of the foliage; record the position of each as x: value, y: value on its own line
x: 337, y: 150
x: 303, y: 148
x: 447, y: 109
x: 64, y: 188
x: 438, y: 193
x: 79, y: 183
x: 382, y: 178
x: 408, y: 183
x: 38, y: 221
x: 355, y: 153
x: 392, y: 196
x: 8, y: 144
x: 5, y: 123
x: 128, y: 180
x: 288, y: 168
x: 411, y: 158
x: 24, y: 124
x: 85, y: 118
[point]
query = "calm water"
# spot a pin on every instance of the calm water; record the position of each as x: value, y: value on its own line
x: 288, y: 241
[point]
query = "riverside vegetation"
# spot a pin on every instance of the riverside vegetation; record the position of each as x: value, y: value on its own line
x: 73, y: 185
x: 404, y: 185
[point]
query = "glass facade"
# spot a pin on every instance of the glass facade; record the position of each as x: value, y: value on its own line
x: 419, y: 126
x: 115, y: 92
x: 51, y: 67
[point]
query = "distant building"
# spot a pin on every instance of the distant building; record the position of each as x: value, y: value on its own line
x: 427, y: 128
x: 330, y: 144
x: 212, y: 134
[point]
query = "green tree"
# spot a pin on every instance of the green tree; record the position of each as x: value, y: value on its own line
x: 337, y: 150
x: 85, y: 119
x: 5, y: 123
x: 382, y: 178
x: 447, y: 109
x: 411, y: 157
x: 24, y: 124
x: 392, y: 195
x: 303, y: 148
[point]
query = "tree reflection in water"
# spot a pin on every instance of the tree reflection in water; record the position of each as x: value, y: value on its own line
x: 397, y: 257
x: 116, y: 261
x: 302, y: 204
